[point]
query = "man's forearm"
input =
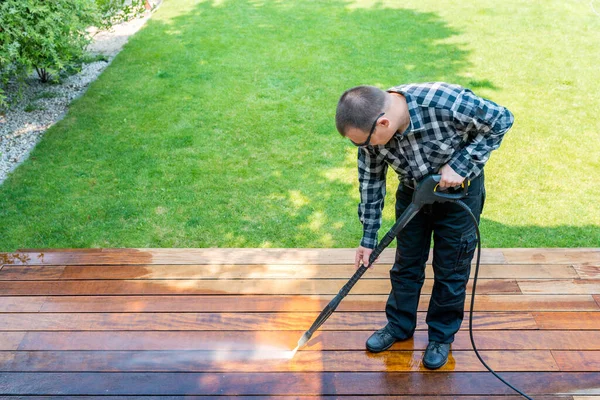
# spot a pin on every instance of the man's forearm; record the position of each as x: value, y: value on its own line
x: 371, y: 221
x: 470, y: 160
x: 371, y: 177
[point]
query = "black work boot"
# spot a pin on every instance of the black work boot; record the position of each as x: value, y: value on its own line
x: 381, y: 340
x: 436, y: 355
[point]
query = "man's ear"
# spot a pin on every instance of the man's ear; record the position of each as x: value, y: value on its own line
x: 384, y: 121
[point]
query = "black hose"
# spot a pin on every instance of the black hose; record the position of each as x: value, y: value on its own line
x: 463, y: 205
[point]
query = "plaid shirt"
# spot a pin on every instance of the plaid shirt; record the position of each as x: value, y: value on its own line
x: 448, y: 124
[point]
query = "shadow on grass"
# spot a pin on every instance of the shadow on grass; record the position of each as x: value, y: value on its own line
x: 293, y: 61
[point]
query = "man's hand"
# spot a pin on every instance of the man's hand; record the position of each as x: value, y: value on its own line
x: 449, y: 177
x: 363, y: 254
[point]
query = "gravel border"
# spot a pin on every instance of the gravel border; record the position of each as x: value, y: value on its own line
x: 21, y: 131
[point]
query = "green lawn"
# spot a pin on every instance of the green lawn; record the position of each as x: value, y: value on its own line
x: 214, y: 127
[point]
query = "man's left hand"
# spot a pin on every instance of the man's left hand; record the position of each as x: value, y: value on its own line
x: 449, y: 177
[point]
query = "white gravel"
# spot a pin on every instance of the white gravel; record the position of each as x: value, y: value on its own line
x: 21, y: 130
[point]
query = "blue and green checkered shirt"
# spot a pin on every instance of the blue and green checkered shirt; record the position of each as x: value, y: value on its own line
x: 448, y: 124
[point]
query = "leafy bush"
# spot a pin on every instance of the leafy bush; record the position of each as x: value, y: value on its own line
x: 45, y: 35
x: 51, y: 36
x: 116, y: 11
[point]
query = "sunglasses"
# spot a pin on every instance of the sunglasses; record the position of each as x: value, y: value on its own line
x: 366, y: 142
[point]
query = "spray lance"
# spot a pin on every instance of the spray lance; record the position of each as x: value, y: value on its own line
x: 425, y: 193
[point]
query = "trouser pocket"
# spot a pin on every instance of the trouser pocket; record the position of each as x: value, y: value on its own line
x: 467, y: 246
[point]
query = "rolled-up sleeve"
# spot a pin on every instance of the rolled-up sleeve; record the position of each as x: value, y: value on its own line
x: 485, y: 123
x: 372, y: 171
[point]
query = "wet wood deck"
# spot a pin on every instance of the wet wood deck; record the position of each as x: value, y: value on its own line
x: 219, y: 323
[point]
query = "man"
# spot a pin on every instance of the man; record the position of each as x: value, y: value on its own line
x: 418, y: 130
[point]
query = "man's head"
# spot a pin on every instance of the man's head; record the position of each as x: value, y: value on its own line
x: 368, y: 115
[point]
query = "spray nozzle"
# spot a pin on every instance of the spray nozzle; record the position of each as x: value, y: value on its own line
x: 305, y: 338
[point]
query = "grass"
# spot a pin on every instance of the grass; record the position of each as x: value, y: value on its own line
x: 45, y: 95
x: 214, y: 126
x: 33, y: 107
x: 90, y: 58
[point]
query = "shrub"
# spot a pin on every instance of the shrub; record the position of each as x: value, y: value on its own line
x: 45, y: 35
x: 114, y: 12
x: 51, y: 36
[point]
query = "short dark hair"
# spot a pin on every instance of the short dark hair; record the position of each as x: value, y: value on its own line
x: 358, y: 107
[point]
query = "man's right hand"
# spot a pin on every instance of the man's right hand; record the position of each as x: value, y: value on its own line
x: 362, y: 254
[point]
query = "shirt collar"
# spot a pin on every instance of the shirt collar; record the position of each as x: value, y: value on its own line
x: 416, y: 118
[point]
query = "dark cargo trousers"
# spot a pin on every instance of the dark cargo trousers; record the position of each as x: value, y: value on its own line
x: 455, y: 241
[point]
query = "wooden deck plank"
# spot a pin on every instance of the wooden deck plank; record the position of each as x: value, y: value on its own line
x: 257, y: 286
x: 31, y: 272
x: 274, y: 256
x: 321, y: 340
x: 235, y: 321
x: 288, y: 286
x: 552, y: 256
x: 67, y: 250
x: 565, y: 286
x: 304, y: 383
x: 587, y: 271
x: 577, y: 360
x: 268, y: 359
x: 70, y: 257
x: 265, y: 271
x: 250, y: 303
x: 567, y: 320
x: 21, y: 304
x: 11, y: 340
x: 450, y: 397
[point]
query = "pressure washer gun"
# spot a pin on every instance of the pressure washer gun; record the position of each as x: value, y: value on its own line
x: 426, y: 192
